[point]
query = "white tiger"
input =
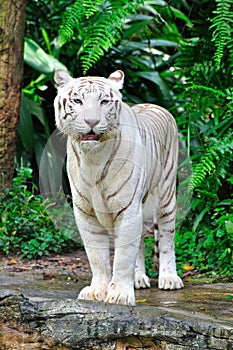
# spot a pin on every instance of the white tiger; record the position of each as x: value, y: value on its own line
x: 122, y: 165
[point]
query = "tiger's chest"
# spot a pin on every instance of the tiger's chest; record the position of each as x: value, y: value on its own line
x: 103, y: 191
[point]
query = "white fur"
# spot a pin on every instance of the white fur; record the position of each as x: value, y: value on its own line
x: 117, y: 185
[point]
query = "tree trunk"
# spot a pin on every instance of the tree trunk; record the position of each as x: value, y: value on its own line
x: 12, y: 21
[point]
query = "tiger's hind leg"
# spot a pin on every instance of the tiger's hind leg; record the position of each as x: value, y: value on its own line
x: 141, y: 280
x: 168, y: 278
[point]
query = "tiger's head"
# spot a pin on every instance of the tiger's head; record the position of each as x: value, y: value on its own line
x: 87, y: 109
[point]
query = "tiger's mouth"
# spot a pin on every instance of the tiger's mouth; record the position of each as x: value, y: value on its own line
x: 91, y: 136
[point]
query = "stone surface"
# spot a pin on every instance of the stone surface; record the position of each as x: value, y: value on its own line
x: 45, y: 314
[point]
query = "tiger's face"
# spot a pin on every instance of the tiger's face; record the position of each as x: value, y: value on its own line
x: 87, y: 108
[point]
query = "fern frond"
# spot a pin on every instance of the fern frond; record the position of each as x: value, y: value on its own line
x: 205, y: 167
x: 99, y: 23
x: 207, y: 89
x: 223, y: 28
x: 74, y: 15
x: 105, y: 29
x: 230, y: 48
x: 220, y: 150
x: 70, y: 20
x: 91, y: 7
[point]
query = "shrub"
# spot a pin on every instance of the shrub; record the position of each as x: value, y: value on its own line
x: 26, y: 227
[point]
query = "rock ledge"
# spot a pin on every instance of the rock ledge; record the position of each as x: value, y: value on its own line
x: 38, y: 322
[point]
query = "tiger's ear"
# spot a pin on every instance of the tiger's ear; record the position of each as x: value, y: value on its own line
x: 62, y: 78
x: 117, y: 79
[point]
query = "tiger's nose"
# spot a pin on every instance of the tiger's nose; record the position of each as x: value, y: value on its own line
x: 92, y: 122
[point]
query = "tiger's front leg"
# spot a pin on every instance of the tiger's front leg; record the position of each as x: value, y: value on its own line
x: 127, y: 241
x: 96, y: 243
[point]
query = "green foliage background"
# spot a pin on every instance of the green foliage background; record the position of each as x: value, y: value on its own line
x: 26, y: 226
x: 177, y: 54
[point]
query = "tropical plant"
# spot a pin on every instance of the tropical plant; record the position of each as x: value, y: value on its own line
x: 26, y: 227
x: 222, y: 31
x: 206, y: 121
x: 177, y: 54
x: 207, y: 98
x: 103, y: 24
x: 99, y: 23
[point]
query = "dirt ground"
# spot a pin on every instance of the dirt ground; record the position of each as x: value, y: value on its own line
x: 73, y: 264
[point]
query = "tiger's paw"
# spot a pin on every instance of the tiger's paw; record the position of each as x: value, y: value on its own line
x: 92, y: 293
x: 170, y: 281
x: 119, y: 295
x: 141, y: 280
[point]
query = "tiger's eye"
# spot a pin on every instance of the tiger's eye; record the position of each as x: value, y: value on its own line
x: 104, y: 102
x: 78, y: 101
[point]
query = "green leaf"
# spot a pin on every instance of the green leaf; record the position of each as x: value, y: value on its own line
x: 46, y: 39
x: 179, y: 14
x: 229, y: 296
x: 134, y: 28
x: 230, y: 180
x: 162, y: 42
x: 199, y: 218
x: 223, y: 126
x: 39, y: 145
x: 220, y: 233
x: 156, y: 79
x: 25, y: 126
x: 229, y: 227
x: 38, y: 59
